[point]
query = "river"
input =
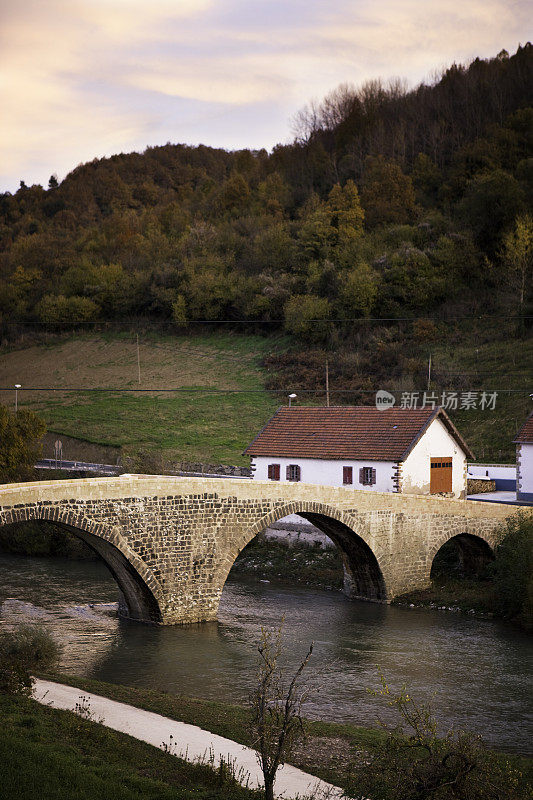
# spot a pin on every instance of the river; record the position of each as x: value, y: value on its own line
x: 476, y: 673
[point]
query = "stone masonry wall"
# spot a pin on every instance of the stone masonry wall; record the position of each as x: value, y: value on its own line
x: 171, y: 541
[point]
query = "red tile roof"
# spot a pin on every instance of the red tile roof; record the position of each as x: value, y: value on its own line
x: 525, y: 434
x: 347, y: 432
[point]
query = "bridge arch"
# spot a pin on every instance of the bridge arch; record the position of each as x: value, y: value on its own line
x: 141, y: 592
x: 463, y: 552
x: 363, y: 575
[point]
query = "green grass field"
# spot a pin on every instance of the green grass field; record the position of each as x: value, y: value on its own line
x: 57, y: 755
x: 203, y: 400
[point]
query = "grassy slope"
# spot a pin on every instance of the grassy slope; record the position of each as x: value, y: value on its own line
x: 494, y: 365
x: 208, y: 423
x: 211, y: 425
x: 56, y: 755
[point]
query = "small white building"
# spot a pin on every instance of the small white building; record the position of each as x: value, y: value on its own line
x: 416, y: 451
x: 524, y: 461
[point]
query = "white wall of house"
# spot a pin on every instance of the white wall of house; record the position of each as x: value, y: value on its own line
x: 504, y: 475
x: 493, y: 471
x: 324, y: 472
x: 524, y: 471
x: 435, y: 443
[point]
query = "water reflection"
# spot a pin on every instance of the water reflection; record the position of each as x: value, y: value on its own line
x: 478, y: 671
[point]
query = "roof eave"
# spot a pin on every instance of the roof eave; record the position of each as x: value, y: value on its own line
x: 518, y: 440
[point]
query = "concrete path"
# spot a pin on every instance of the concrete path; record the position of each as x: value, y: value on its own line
x: 188, y: 741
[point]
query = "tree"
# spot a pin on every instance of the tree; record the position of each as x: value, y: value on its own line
x: 53, y: 183
x: 359, y: 291
x: 306, y: 316
x: 517, y: 255
x: 491, y: 202
x: 58, y: 308
x: 315, y: 233
x: 276, y: 708
x: 388, y: 194
x: 346, y: 213
x: 427, y: 180
x: 414, y: 763
x: 411, y: 282
x: 20, y: 444
x: 179, y: 311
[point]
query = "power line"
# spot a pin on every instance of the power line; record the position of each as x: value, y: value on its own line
x: 170, y: 323
x: 196, y: 390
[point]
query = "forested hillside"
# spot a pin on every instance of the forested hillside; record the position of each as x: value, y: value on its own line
x: 389, y: 203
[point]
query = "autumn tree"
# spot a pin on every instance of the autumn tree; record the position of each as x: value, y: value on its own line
x: 358, y: 292
x: 20, y: 444
x: 306, y: 316
x: 57, y: 309
x: 517, y: 256
x: 346, y: 214
x: 388, y: 195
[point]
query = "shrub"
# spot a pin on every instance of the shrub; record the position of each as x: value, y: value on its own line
x: 27, y: 648
x: 415, y: 763
x: 513, y: 570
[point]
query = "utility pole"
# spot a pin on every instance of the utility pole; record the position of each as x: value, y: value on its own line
x: 138, y: 360
x: 429, y: 371
x: 327, y: 383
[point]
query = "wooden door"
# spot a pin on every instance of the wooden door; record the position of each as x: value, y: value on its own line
x: 441, y: 475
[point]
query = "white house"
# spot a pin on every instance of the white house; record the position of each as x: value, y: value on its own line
x: 524, y: 461
x: 417, y: 451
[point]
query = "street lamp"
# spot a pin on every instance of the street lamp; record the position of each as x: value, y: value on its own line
x: 17, y: 387
x: 291, y: 398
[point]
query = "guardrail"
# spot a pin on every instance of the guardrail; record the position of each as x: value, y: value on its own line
x: 75, y: 466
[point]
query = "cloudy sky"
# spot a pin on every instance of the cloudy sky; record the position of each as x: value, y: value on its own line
x: 81, y: 79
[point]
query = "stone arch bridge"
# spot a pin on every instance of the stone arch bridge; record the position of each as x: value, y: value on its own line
x: 171, y: 542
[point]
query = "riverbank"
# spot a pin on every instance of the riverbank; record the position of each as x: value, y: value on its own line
x: 295, y: 563
x: 460, y: 595
x: 326, y: 752
x: 327, y: 749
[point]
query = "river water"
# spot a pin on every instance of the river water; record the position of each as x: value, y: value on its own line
x: 476, y: 673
